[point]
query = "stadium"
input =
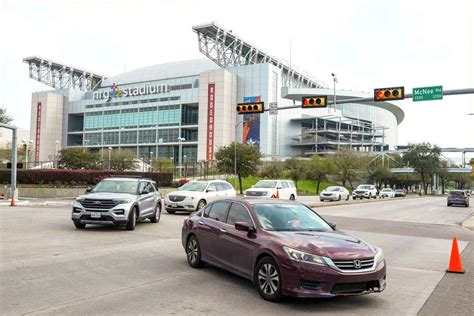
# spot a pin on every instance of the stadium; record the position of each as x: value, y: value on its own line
x: 186, y: 110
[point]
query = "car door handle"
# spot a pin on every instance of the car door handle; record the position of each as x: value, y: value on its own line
x: 223, y: 230
x: 201, y: 222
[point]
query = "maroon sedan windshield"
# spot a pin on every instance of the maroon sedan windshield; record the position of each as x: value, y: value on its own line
x: 289, y: 217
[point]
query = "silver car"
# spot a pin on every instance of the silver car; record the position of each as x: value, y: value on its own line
x: 119, y: 201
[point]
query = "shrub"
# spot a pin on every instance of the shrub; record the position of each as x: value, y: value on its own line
x: 83, y: 177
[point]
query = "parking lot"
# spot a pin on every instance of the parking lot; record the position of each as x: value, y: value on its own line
x: 49, y: 267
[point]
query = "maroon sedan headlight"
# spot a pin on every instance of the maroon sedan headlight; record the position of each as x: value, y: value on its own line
x: 301, y: 256
x: 379, y: 256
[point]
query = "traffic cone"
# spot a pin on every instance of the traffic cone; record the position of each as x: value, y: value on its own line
x: 455, y: 264
x: 277, y: 195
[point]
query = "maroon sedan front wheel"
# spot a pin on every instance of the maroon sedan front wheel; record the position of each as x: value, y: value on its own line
x: 267, y: 279
x: 193, y: 252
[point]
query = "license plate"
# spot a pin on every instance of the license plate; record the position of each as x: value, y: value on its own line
x: 174, y: 205
x: 95, y: 215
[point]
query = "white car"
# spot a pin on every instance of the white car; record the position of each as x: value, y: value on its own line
x: 387, y: 192
x: 367, y: 191
x: 282, y: 189
x: 334, y: 193
x: 194, y: 195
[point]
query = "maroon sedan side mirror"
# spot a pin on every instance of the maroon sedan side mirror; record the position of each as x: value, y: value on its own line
x: 244, y: 226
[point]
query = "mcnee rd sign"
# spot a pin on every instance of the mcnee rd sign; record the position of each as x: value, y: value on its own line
x: 428, y: 93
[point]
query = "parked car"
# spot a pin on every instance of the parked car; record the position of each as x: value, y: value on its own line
x: 194, y: 195
x: 284, y: 247
x: 268, y: 189
x: 119, y: 201
x: 387, y: 193
x: 399, y: 193
x: 366, y: 191
x: 458, y: 197
x: 334, y: 193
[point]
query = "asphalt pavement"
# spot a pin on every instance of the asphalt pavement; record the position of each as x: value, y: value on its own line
x: 49, y: 267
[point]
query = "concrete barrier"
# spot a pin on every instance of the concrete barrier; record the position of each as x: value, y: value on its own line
x: 54, y: 193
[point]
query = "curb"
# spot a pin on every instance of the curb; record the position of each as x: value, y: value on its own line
x: 468, y: 223
x: 351, y: 202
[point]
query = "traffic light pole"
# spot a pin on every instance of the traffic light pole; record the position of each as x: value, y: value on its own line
x: 14, y: 156
x: 360, y: 100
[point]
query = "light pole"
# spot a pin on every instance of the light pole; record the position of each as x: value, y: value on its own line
x: 180, y: 154
x: 235, y: 155
x: 185, y: 169
x: 151, y: 159
x: 334, y: 97
x: 86, y: 141
x: 56, y: 153
x: 26, y: 145
x: 110, y: 153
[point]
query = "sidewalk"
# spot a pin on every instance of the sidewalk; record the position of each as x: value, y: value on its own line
x: 454, y: 293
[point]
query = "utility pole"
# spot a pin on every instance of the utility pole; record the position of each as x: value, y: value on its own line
x: 14, y: 159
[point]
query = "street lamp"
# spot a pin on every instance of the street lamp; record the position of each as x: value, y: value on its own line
x: 185, y: 165
x: 26, y: 145
x: 235, y: 156
x: 110, y: 153
x: 56, y: 153
x: 151, y: 159
x: 334, y: 98
x: 86, y: 141
x: 180, y: 153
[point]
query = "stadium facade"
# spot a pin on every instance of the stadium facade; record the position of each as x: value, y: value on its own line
x: 185, y: 111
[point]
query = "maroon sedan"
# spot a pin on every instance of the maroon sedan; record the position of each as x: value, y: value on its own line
x: 285, y: 248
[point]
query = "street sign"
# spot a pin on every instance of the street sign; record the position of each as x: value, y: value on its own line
x: 273, y: 108
x: 428, y: 93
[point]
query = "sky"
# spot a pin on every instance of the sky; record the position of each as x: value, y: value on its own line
x: 367, y: 43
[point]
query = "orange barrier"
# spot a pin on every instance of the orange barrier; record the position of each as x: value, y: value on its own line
x: 455, y: 264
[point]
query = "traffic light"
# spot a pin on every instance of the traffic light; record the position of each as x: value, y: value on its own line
x: 319, y: 101
x: 251, y: 107
x: 386, y: 94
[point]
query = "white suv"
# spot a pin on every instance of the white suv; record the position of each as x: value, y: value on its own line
x: 366, y: 191
x: 194, y: 195
x: 283, y: 189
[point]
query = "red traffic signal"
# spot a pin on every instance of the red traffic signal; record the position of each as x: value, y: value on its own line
x: 314, y: 102
x: 254, y: 107
x: 386, y: 94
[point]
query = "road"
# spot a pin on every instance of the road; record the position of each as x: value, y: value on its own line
x: 48, y: 267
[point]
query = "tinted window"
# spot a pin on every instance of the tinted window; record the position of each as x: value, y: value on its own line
x: 284, y: 185
x: 238, y: 213
x: 206, y: 210
x: 213, y: 186
x: 220, y: 186
x: 228, y: 186
x: 457, y: 193
x: 150, y: 187
x: 218, y: 211
x: 289, y: 217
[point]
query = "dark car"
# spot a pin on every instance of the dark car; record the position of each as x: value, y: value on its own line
x: 458, y: 197
x: 399, y: 193
x: 284, y: 247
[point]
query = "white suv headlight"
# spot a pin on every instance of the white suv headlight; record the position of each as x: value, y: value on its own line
x: 301, y: 256
x: 189, y: 198
x: 122, y: 201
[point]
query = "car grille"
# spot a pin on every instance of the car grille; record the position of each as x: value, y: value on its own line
x: 176, y: 198
x: 327, y: 194
x: 256, y: 193
x: 354, y: 265
x: 354, y: 288
x: 359, y: 192
x: 103, y: 218
x: 98, y: 204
